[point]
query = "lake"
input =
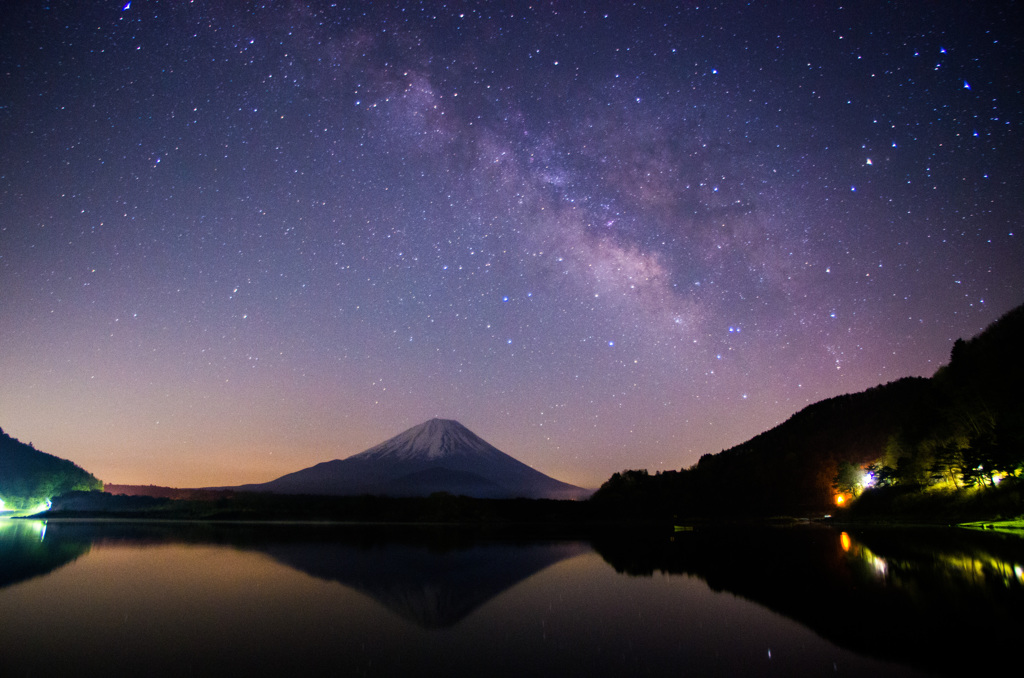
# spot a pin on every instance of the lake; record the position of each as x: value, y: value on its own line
x: 150, y: 598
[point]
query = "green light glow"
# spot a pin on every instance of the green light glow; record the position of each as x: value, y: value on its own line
x: 18, y: 529
x: 13, y: 511
x: 39, y: 508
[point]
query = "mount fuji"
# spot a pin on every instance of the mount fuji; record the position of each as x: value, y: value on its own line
x: 440, y: 455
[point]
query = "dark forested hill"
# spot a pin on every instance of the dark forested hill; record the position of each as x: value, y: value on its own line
x: 790, y: 468
x: 29, y: 477
x: 964, y: 427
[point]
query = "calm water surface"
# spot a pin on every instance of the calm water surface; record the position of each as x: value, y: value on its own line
x: 194, y: 599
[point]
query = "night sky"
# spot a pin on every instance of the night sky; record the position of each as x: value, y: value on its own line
x: 238, y: 239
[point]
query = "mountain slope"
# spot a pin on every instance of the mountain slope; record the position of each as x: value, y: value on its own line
x: 440, y: 455
x: 968, y: 417
x: 29, y: 477
x: 787, y: 470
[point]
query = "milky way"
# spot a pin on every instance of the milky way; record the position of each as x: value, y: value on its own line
x: 237, y: 239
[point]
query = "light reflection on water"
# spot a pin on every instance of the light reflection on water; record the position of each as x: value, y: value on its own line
x: 203, y: 600
x: 17, y: 530
x: 975, y: 567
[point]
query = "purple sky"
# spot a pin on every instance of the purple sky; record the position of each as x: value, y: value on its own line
x: 238, y: 239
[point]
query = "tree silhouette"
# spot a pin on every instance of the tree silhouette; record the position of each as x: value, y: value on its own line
x: 29, y: 477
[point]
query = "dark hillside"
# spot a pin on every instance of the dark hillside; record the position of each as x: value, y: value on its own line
x: 789, y: 469
x: 29, y: 477
x: 961, y: 430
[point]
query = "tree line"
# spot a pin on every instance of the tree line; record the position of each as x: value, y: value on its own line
x: 962, y: 428
x: 29, y: 477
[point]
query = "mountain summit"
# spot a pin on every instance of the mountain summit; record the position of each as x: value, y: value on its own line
x: 440, y: 455
x: 436, y: 440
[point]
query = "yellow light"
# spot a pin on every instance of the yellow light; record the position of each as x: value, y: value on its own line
x: 845, y: 541
x: 840, y: 499
x: 42, y: 507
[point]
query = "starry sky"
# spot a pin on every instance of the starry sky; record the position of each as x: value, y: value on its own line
x: 238, y: 239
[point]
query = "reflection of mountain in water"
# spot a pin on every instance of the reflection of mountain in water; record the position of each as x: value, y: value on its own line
x: 431, y: 577
x: 28, y: 549
x: 933, y: 599
x: 431, y: 587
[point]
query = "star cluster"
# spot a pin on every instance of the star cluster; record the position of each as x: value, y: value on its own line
x: 237, y: 239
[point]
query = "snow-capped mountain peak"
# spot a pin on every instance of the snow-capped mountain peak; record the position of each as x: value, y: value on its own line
x: 440, y: 455
x: 432, y: 440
